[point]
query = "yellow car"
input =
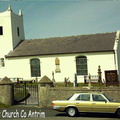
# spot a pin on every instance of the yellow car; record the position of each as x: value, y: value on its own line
x: 87, y: 102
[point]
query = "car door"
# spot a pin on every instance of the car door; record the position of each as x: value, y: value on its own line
x: 83, y: 103
x: 100, y: 104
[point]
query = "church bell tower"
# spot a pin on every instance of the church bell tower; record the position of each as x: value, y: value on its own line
x: 11, y: 31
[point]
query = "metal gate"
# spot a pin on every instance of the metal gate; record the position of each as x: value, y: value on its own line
x: 26, y: 93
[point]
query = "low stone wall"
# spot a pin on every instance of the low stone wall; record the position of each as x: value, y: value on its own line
x: 48, y: 94
x: 6, y: 94
x: 6, y: 91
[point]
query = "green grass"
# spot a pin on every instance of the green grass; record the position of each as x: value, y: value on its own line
x: 4, y: 106
x: 62, y: 84
x: 92, y: 84
x: 27, y: 84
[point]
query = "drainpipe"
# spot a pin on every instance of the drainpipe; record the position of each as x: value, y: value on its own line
x: 115, y: 59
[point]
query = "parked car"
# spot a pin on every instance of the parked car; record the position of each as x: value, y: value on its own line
x: 87, y: 102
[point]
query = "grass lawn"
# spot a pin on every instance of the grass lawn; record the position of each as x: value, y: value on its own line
x: 62, y: 84
x: 3, y: 105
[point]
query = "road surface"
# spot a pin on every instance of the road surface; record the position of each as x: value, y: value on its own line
x: 37, y: 113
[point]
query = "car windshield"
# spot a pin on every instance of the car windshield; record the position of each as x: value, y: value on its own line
x: 108, y: 98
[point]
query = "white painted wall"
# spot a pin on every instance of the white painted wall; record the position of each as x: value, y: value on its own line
x: 6, y: 38
x: 20, y: 67
x: 8, y: 41
x: 105, y: 60
x: 17, y: 22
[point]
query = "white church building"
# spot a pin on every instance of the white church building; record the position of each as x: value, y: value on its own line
x: 59, y: 56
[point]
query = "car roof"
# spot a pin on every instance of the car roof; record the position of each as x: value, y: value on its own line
x: 90, y: 93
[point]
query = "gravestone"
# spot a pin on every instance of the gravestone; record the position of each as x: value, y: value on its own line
x: 111, y: 78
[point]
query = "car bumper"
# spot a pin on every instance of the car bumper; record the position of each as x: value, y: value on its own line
x: 58, y: 108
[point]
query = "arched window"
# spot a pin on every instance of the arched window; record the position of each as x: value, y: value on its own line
x: 81, y: 65
x: 35, y: 67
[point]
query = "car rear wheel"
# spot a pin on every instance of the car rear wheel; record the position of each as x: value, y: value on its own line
x: 72, y: 112
x: 118, y: 113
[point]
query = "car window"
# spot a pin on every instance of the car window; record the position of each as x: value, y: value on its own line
x: 69, y: 97
x: 98, y: 98
x: 108, y: 98
x: 84, y: 97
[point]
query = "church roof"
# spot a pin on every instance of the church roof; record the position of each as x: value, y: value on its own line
x: 99, y: 42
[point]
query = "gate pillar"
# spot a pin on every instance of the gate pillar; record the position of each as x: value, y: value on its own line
x: 6, y: 91
x: 46, y: 82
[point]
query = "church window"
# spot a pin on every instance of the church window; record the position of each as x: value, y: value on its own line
x: 81, y: 65
x: 1, y: 30
x: 35, y: 67
x: 18, y: 32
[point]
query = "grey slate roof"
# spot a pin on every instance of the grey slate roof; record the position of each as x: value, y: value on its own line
x: 65, y: 45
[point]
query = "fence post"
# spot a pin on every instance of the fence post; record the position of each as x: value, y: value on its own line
x: 76, y: 80
x: 89, y: 84
x: 85, y: 79
x: 99, y: 75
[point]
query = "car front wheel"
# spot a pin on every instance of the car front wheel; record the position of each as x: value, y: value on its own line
x: 72, y: 112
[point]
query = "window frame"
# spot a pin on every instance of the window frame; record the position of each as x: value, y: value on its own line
x: 80, y: 97
x: 18, y: 31
x: 1, y: 30
x: 35, y: 67
x: 98, y: 99
x: 81, y: 65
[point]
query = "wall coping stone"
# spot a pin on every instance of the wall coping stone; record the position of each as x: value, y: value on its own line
x: 6, y: 81
x: 92, y: 89
x: 45, y: 80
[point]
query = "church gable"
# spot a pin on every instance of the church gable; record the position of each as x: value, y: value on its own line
x: 65, y: 45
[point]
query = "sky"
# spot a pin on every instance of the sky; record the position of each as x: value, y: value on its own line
x: 58, y: 18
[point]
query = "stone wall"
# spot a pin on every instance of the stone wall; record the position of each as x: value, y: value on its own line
x: 6, y: 96
x: 6, y: 91
x: 48, y: 94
